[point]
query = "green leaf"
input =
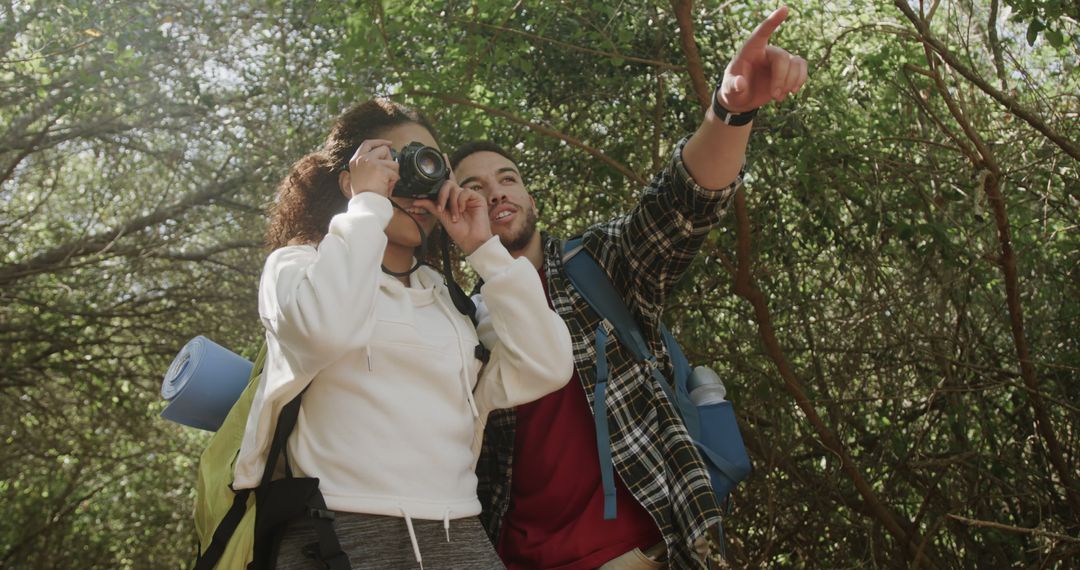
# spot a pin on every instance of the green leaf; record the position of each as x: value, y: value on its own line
x: 1054, y: 37
x: 1033, y: 31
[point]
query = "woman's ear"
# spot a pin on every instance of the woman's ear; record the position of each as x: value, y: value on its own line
x: 345, y: 184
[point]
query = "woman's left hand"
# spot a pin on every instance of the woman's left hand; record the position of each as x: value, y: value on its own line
x: 462, y: 213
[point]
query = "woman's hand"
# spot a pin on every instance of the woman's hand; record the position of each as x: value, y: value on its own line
x: 462, y: 213
x: 372, y: 169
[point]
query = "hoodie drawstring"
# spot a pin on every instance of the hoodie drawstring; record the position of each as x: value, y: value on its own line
x: 412, y: 537
x: 412, y: 533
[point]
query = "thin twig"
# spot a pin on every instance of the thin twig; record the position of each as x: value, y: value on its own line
x: 572, y: 141
x: 608, y: 54
x: 1014, y: 107
x: 1015, y: 529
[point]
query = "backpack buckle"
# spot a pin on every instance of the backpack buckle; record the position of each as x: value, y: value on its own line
x: 482, y: 353
x: 321, y: 514
x: 337, y: 561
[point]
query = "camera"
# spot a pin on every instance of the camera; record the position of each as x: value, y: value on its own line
x: 422, y: 170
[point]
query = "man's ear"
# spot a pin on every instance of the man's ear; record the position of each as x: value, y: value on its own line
x: 344, y: 184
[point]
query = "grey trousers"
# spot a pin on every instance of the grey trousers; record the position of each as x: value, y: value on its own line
x: 375, y: 542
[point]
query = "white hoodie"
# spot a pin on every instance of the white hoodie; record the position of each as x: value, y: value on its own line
x: 396, y: 401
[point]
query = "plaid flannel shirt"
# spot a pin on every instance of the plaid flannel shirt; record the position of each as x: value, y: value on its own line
x: 645, y: 253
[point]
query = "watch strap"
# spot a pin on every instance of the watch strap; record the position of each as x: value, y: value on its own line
x: 728, y: 117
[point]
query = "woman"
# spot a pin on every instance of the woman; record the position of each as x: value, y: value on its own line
x: 395, y: 398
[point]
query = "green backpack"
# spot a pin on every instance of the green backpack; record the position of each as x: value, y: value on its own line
x: 241, y: 529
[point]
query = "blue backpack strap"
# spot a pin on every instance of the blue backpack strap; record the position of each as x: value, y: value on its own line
x: 678, y: 360
x: 592, y: 283
x: 721, y: 449
x: 603, y: 437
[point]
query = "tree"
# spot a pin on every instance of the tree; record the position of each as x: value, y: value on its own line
x: 142, y: 142
x: 893, y: 302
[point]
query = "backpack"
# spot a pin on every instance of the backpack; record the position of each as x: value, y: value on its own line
x: 241, y: 529
x: 712, y: 427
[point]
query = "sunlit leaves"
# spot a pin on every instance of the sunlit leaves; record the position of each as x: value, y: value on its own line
x: 871, y: 238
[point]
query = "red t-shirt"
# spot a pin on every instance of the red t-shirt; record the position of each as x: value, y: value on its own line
x: 556, y: 516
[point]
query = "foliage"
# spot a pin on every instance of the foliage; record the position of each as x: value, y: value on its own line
x: 1048, y: 17
x: 142, y: 142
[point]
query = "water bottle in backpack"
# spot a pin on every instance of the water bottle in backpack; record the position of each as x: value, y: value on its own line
x: 705, y: 387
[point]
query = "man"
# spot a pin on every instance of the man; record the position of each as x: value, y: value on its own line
x: 539, y: 471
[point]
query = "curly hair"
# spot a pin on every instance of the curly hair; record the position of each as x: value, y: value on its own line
x: 309, y: 196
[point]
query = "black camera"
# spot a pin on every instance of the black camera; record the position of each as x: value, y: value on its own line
x: 422, y: 170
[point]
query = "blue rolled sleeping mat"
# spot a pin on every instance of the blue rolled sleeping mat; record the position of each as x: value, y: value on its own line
x: 202, y: 384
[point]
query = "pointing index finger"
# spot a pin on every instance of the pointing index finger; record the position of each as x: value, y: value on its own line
x: 760, y: 36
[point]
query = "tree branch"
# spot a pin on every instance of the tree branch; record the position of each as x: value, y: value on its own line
x: 746, y: 288
x: 1007, y: 262
x: 1071, y: 148
x: 1015, y: 529
x: 58, y: 256
x: 548, y: 131
x: 570, y: 46
x: 990, y: 177
x: 683, y: 14
x: 995, y: 44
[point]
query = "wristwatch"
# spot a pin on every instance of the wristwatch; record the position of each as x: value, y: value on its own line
x: 729, y: 118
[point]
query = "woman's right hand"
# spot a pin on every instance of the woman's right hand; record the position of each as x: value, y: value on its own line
x: 462, y: 213
x: 372, y: 169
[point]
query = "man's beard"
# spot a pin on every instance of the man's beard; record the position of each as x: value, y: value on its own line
x: 518, y: 241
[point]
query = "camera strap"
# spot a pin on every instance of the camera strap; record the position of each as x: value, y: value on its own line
x: 462, y: 301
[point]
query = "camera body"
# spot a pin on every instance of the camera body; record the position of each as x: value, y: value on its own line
x: 422, y: 170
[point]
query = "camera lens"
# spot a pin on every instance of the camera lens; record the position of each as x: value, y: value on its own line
x: 429, y: 163
x: 422, y: 171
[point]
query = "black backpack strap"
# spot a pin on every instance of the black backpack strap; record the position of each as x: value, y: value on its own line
x: 482, y: 353
x: 224, y: 531
x: 285, y: 424
x: 290, y: 499
x: 289, y: 494
x: 327, y: 550
x: 277, y: 502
